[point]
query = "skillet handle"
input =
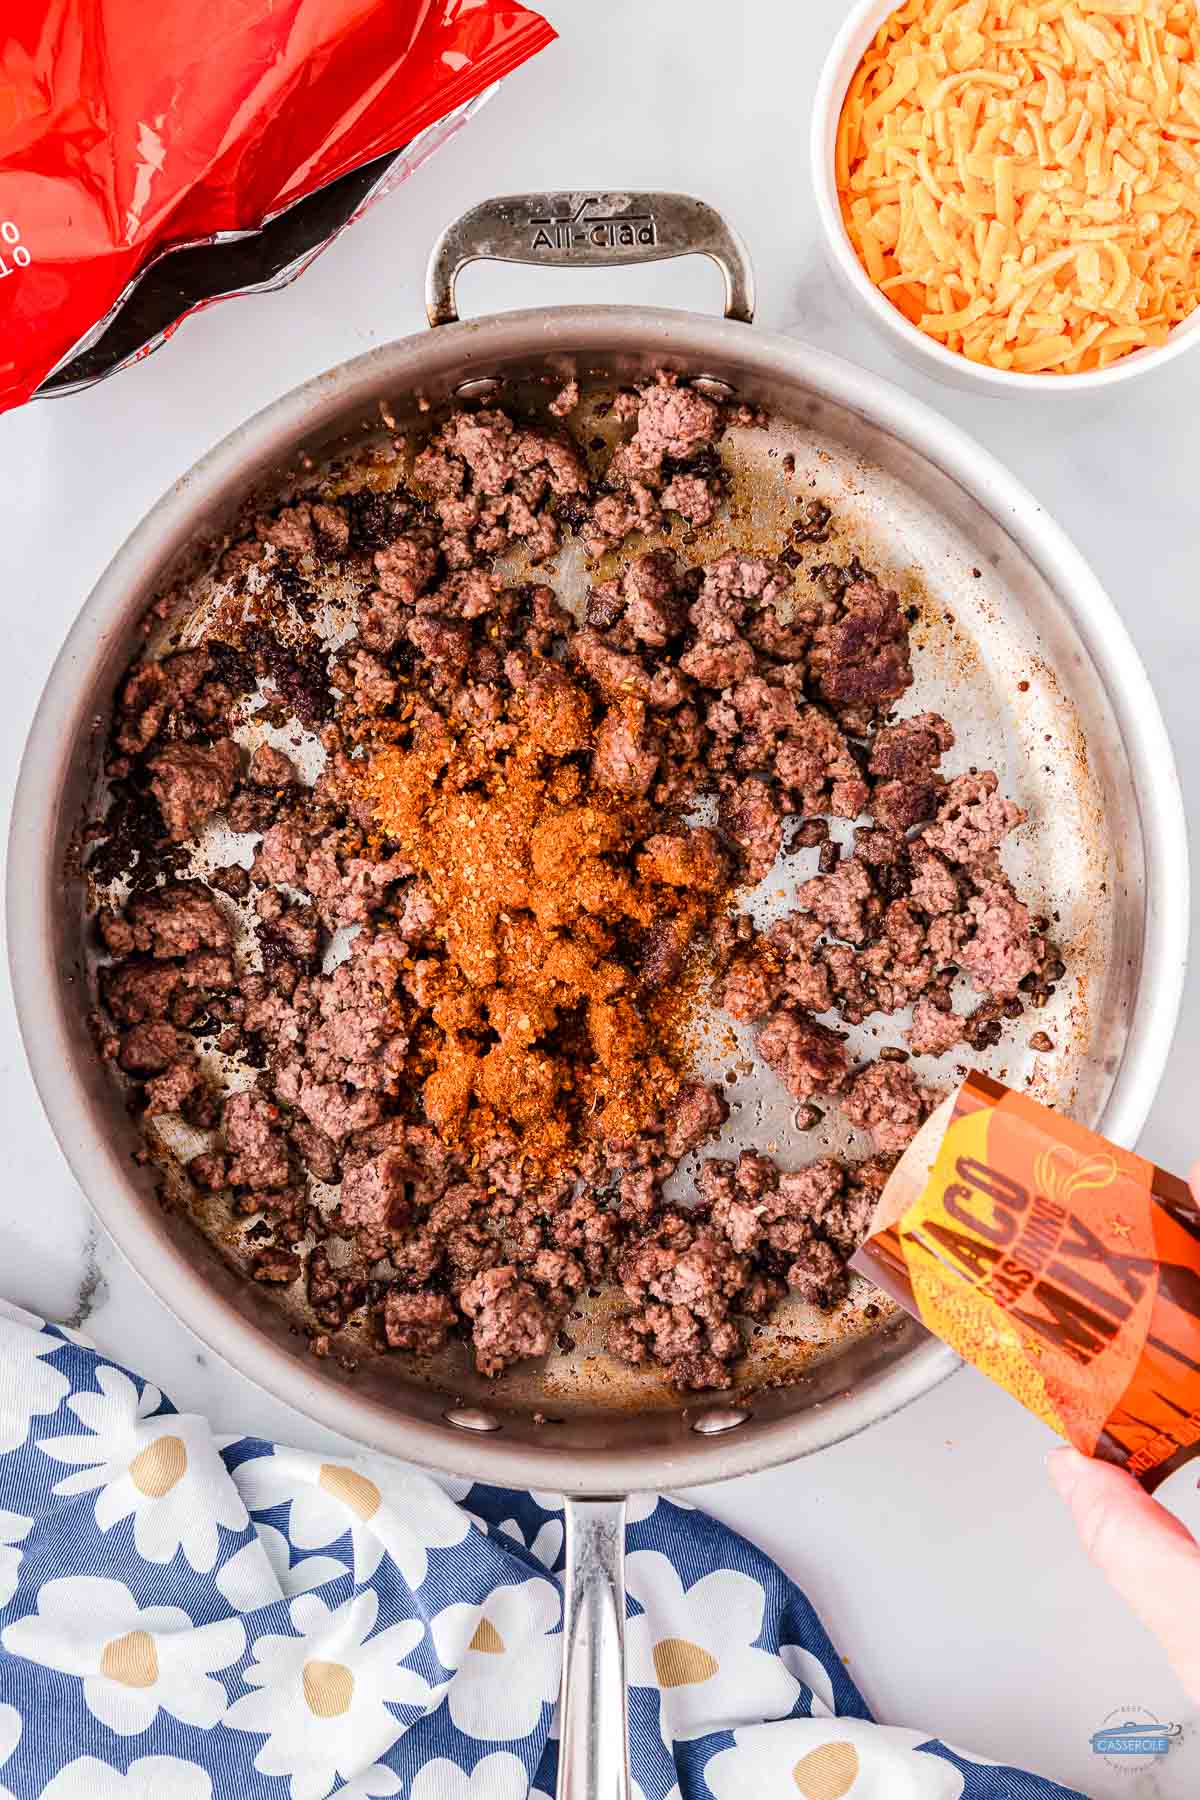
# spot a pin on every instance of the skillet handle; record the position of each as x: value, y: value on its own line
x: 592, y: 231
x: 593, y: 1742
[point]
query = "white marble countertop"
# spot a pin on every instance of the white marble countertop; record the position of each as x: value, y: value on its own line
x: 945, y: 1570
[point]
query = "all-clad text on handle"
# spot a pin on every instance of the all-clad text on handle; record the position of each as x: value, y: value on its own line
x: 588, y: 229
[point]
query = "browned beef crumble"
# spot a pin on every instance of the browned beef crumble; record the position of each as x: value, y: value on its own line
x: 666, y: 466
x: 448, y: 1085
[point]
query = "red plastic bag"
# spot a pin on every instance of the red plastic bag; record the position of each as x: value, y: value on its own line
x: 164, y: 132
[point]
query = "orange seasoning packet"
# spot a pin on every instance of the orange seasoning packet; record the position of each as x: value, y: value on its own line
x: 1065, y: 1268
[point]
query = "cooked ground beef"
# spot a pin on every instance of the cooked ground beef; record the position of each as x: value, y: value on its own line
x: 934, y: 1029
x: 667, y: 465
x: 696, y: 1113
x: 472, y: 941
x: 421, y: 1322
x: 271, y: 768
x: 191, y: 783
x: 904, y: 762
x: 846, y: 901
x: 1004, y: 948
x: 859, y: 660
x: 753, y: 983
x: 750, y: 817
x: 887, y: 1100
x: 173, y: 920
x: 510, y: 1320
x: 971, y: 820
x: 808, y: 1057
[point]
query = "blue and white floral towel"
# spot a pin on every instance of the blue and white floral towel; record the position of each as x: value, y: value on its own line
x: 185, y: 1617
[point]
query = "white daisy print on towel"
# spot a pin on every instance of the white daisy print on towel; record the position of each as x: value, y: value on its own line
x: 133, y: 1660
x: 262, y: 1571
x: 322, y: 1698
x: 13, y: 1528
x: 546, y: 1543
x: 149, y: 1778
x: 500, y: 1776
x: 815, y: 1759
x: 506, y: 1654
x: 381, y: 1506
x: 163, y: 1471
x: 643, y: 1506
x: 810, y: 1670
x: 378, y: 1783
x: 10, y: 1737
x: 696, y: 1646
x: 29, y: 1386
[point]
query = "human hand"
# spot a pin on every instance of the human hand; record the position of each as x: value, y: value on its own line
x: 1149, y: 1557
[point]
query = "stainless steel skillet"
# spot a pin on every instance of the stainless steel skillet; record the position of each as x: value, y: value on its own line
x: 1015, y: 640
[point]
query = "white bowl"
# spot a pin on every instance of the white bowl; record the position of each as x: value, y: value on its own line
x: 856, y: 34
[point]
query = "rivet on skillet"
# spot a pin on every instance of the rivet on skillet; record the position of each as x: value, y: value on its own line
x: 720, y: 1418
x: 478, y: 387
x: 471, y: 1418
x: 713, y: 386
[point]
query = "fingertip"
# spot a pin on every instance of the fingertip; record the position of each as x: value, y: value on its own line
x: 1067, y: 1467
x: 1147, y: 1554
x: 1194, y: 1180
x: 1098, y: 1494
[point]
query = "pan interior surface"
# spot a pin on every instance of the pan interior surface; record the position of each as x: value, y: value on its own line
x: 993, y: 650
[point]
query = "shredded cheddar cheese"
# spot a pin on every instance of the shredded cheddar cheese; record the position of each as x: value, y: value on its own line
x: 1021, y: 178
